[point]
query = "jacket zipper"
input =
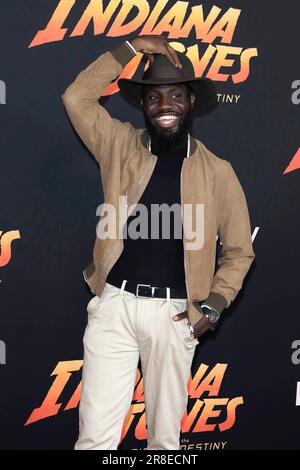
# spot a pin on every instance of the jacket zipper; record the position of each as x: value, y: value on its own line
x: 183, y: 236
x: 139, y: 183
x: 129, y: 201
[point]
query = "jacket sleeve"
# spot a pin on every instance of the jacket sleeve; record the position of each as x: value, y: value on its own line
x: 92, y: 122
x: 237, y: 253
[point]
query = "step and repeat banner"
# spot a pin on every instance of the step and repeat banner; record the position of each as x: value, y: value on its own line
x: 244, y: 387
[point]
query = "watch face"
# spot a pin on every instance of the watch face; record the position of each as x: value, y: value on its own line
x: 212, y: 316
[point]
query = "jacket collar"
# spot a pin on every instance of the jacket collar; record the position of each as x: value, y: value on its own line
x: 144, y: 139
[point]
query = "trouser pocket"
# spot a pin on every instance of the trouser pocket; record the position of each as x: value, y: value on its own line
x: 93, y: 304
x: 181, y: 326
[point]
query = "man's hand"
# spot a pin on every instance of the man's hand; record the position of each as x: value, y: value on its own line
x: 199, y: 328
x: 155, y: 44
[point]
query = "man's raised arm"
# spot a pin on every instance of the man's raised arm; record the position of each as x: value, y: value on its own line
x: 92, y: 122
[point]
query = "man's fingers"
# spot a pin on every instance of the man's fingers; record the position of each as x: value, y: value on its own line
x: 160, y: 45
x: 169, y: 56
x: 180, y: 316
x: 150, y: 57
x: 174, y: 56
x: 167, y: 51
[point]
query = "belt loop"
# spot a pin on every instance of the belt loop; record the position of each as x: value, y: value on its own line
x: 123, y: 286
x: 168, y: 294
x: 152, y: 291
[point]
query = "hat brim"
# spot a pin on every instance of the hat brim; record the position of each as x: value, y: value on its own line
x: 204, y: 89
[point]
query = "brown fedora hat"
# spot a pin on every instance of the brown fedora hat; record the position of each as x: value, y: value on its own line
x: 162, y: 72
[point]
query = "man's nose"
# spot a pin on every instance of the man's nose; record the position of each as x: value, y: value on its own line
x: 165, y: 102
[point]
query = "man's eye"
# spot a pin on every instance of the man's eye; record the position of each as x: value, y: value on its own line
x: 154, y: 97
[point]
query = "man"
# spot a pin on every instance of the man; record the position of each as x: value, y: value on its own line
x: 153, y: 296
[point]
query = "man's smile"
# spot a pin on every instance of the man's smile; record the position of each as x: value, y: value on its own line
x: 166, y: 120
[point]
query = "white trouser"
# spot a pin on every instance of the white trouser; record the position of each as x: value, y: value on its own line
x: 121, y: 328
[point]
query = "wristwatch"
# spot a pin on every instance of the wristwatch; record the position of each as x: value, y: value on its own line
x: 211, y: 314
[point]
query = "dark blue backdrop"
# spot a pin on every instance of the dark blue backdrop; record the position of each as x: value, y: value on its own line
x: 50, y: 188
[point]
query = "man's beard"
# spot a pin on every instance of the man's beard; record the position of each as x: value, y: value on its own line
x: 167, y: 141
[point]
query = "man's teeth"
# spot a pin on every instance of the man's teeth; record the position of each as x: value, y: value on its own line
x: 166, y: 118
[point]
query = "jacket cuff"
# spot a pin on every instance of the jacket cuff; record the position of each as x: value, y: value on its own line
x: 217, y: 301
x: 122, y: 54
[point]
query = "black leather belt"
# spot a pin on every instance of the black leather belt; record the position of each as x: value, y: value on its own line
x: 148, y: 291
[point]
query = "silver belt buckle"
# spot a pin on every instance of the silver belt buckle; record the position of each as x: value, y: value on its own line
x: 145, y: 285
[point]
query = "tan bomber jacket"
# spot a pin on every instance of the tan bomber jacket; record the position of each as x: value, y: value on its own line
x: 126, y: 166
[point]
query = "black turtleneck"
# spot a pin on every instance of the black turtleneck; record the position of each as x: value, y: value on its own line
x: 158, y: 262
